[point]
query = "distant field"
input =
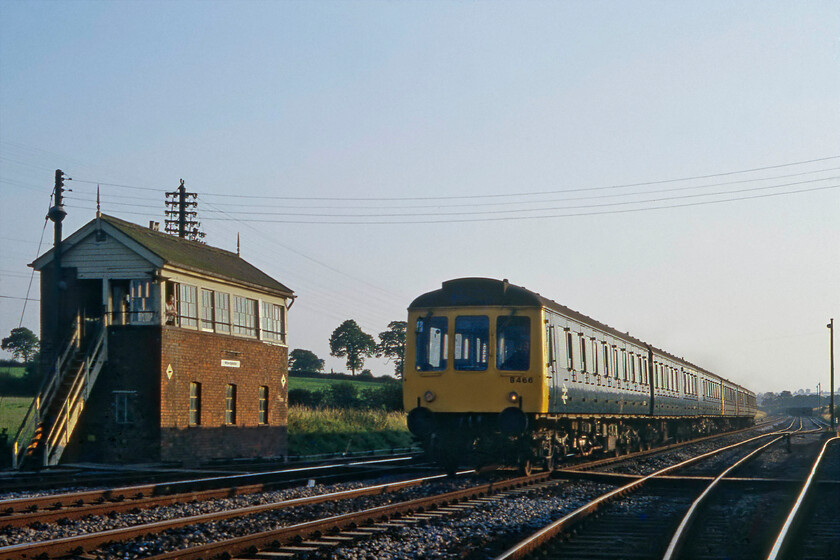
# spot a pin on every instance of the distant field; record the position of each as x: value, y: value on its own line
x: 12, y: 411
x: 14, y: 371
x: 321, y: 384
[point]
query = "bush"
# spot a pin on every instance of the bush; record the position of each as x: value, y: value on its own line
x: 387, y: 397
x: 345, y: 395
x: 342, y: 395
x: 303, y: 397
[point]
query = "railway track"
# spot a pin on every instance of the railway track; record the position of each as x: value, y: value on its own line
x: 21, y: 512
x: 289, y: 535
x: 85, y: 477
x: 812, y: 528
x: 321, y: 526
x: 688, y: 515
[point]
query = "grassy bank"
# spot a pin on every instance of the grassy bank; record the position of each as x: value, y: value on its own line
x: 12, y: 411
x: 322, y: 431
x: 311, y: 432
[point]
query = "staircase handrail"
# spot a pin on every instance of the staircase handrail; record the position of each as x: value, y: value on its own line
x: 64, y: 424
x: 42, y: 399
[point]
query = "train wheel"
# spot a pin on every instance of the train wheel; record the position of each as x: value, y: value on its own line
x: 549, y: 462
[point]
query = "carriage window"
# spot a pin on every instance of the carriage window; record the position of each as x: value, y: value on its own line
x: 431, y: 342
x: 513, y: 343
x: 570, y: 364
x: 472, y: 334
x: 616, y: 363
x: 582, y: 352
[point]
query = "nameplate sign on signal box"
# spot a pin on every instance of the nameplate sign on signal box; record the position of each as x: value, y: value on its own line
x: 230, y: 363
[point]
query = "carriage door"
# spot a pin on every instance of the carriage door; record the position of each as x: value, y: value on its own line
x: 551, y: 366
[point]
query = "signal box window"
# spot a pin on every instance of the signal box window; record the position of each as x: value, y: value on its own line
x: 195, y: 404
x: 140, y: 293
x: 263, y: 405
x: 188, y: 305
x: 230, y: 405
x: 207, y: 310
x: 124, y: 407
x: 472, y: 334
x: 513, y: 343
x: 222, y: 311
x: 244, y: 316
x: 431, y: 342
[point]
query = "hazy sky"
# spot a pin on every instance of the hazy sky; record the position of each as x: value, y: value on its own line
x: 368, y: 151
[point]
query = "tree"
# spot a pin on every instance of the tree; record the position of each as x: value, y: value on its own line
x: 392, y: 345
x: 351, y: 341
x: 305, y: 360
x: 22, y: 343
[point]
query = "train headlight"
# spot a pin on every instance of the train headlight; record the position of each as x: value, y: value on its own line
x: 513, y: 397
x: 429, y: 396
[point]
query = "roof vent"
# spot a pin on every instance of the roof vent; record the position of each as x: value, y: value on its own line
x: 154, y: 226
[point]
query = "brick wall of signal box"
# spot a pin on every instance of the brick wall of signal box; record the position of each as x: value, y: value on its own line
x: 197, y: 357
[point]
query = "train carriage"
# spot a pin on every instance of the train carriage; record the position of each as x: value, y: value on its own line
x: 493, y: 369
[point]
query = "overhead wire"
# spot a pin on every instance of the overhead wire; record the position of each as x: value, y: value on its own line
x: 32, y: 274
x: 262, y: 240
x: 310, y: 284
x: 537, y: 193
x: 358, y: 218
x: 521, y: 218
x: 501, y: 195
x: 543, y: 201
x: 520, y: 210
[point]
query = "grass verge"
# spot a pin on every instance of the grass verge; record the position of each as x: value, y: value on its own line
x: 12, y: 411
x: 346, y: 430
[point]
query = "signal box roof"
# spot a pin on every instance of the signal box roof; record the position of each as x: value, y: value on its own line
x: 163, y: 249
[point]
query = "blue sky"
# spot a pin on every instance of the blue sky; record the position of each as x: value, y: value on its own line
x: 370, y: 112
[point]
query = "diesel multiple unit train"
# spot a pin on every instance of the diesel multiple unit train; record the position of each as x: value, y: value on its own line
x: 495, y: 372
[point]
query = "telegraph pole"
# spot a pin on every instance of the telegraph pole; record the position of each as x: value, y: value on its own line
x: 830, y: 326
x: 57, y: 214
x: 180, y: 216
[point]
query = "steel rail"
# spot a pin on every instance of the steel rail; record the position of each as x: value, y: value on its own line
x: 72, y: 545
x: 678, y: 538
x: 247, y: 544
x: 548, y: 532
x: 786, y: 527
x: 52, y: 501
x: 656, y: 450
x: 75, y: 509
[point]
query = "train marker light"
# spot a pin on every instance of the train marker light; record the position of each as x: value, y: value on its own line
x: 428, y: 396
x: 513, y: 397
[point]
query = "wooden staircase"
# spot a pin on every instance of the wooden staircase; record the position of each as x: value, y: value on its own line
x: 53, y: 415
